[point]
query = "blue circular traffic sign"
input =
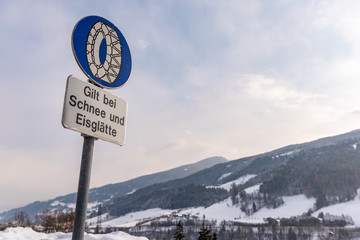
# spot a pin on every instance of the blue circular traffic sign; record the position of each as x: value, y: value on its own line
x: 101, y: 51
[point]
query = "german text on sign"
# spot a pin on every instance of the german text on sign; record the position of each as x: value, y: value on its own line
x: 92, y: 111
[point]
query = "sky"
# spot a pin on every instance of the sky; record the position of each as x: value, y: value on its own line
x: 209, y: 78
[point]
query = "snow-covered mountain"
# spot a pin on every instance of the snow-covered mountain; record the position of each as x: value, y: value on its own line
x: 319, y: 178
x: 105, y: 193
x: 327, y: 170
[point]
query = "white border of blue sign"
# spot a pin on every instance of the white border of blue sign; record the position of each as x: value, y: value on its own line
x: 79, y: 45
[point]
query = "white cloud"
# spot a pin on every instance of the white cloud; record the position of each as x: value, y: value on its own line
x: 268, y: 89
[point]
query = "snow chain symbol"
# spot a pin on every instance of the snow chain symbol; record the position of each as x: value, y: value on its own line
x: 103, y: 52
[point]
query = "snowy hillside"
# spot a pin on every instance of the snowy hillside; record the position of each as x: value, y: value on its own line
x: 315, y: 183
x: 293, y: 206
x: 350, y: 208
x: 327, y: 171
x: 105, y: 193
x: 224, y: 210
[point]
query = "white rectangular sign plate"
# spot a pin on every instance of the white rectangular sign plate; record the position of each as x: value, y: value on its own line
x: 92, y: 111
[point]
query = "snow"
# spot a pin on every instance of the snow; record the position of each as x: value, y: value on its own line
x: 224, y: 210
x: 241, y: 180
x: 131, y: 219
x: 224, y: 176
x: 218, y: 211
x: 94, y: 220
x: 93, y: 204
x: 293, y: 206
x: 57, y: 203
x: 28, y: 233
x: 286, y: 154
x: 253, y: 189
x: 131, y: 192
x: 351, y: 208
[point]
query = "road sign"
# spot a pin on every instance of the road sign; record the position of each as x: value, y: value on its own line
x: 94, y: 112
x: 103, y: 54
x: 101, y: 51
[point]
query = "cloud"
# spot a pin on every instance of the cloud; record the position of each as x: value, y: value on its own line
x: 267, y: 89
x: 209, y: 78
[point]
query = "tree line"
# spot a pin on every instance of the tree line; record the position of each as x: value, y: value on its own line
x: 274, y: 229
x: 48, y: 221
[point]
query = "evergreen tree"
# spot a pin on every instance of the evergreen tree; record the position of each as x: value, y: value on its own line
x: 250, y: 233
x: 204, y: 233
x: 179, y: 231
x: 254, y: 207
x: 98, y: 223
x: 274, y: 233
x: 291, y: 234
x: 234, y: 194
x: 222, y: 231
x: 281, y: 235
x: 321, y: 201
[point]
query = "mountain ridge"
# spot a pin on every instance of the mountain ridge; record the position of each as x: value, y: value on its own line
x: 102, y: 194
x: 273, y: 171
x: 269, y: 170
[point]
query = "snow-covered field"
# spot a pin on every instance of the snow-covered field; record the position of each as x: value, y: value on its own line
x: 238, y: 181
x: 293, y: 206
x: 28, y: 233
x: 131, y: 219
x: 350, y: 208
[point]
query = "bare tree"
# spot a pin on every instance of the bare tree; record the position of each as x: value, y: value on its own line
x: 22, y: 219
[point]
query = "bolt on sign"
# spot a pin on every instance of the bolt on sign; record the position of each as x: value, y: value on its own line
x: 92, y: 111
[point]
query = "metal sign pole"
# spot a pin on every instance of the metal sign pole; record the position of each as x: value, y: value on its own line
x: 83, y: 188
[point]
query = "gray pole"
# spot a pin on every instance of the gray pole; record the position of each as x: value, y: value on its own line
x: 83, y: 188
